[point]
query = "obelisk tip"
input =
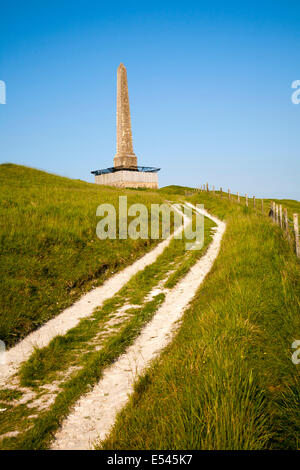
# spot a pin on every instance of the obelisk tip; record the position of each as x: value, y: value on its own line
x: 121, y: 66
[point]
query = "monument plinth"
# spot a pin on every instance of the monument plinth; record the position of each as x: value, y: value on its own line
x: 125, y: 172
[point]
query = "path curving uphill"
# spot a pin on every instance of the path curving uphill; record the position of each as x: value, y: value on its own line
x: 94, y: 413
x: 84, y: 307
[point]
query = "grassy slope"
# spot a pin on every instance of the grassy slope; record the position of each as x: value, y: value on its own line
x: 292, y: 205
x: 227, y: 381
x: 80, y: 347
x: 50, y: 253
x: 241, y: 389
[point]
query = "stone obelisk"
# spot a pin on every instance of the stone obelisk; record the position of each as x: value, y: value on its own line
x: 125, y: 156
x: 125, y: 173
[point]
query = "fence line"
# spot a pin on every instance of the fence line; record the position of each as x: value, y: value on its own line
x: 296, y: 230
x: 291, y: 227
x: 278, y: 214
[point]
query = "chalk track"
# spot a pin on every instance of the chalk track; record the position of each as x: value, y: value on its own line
x: 94, y: 414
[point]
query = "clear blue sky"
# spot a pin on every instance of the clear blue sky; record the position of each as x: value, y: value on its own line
x: 209, y: 85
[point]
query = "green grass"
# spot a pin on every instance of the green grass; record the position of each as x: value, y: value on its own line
x: 77, y: 347
x: 50, y: 253
x: 9, y: 394
x: 64, y: 351
x: 19, y: 414
x: 227, y: 380
x: 39, y: 435
x: 292, y: 206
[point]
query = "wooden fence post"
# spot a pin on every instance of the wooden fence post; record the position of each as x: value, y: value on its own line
x: 262, y: 206
x: 213, y: 189
x: 238, y: 197
x: 272, y: 210
x: 207, y: 187
x: 276, y: 213
x: 280, y: 215
x: 286, y: 223
x: 253, y: 201
x: 296, y: 231
x: 246, y: 198
x: 228, y: 193
x: 221, y: 192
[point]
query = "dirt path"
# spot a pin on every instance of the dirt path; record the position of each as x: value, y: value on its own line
x: 95, y: 413
x: 71, y: 316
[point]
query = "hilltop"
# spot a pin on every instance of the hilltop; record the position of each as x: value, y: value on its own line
x: 50, y: 253
x: 224, y: 381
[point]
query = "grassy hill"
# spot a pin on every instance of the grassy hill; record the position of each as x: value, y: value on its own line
x: 50, y: 253
x: 227, y: 380
x: 291, y: 204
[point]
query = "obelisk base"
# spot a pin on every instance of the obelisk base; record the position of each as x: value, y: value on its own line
x: 129, y: 179
x: 127, y: 161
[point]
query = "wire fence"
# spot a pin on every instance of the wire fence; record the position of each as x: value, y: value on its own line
x: 278, y: 213
x: 279, y: 216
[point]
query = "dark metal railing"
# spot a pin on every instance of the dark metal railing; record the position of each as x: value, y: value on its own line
x: 113, y: 169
